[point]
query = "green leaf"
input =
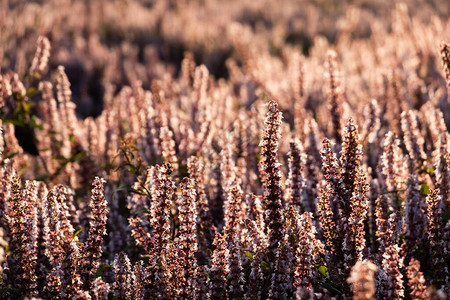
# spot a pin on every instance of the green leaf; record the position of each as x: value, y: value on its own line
x: 42, y: 177
x: 125, y: 188
x: 10, y: 290
x: 248, y: 254
x: 145, y: 258
x: 183, y: 169
x: 63, y: 159
x: 76, y: 233
x: 77, y: 156
x: 330, y: 287
x: 18, y: 97
x: 323, y: 270
x: 28, y: 106
x: 34, y: 124
x: 101, y: 270
x: 427, y: 170
x: 265, y: 265
x: 145, y: 210
x: 424, y: 189
x: 73, y: 158
x: 258, y: 157
x: 11, y: 155
x: 32, y: 91
x: 128, y: 188
x: 446, y: 217
x: 125, y: 164
x: 16, y: 122
x: 133, y: 247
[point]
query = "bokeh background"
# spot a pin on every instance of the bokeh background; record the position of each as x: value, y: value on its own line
x: 114, y: 42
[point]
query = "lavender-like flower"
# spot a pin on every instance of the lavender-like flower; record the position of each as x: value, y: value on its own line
x: 82, y: 295
x: 233, y: 213
x: 162, y: 191
x: 335, y: 95
x: 62, y: 247
x: 412, y: 137
x: 40, y: 60
x: 21, y: 217
x: 199, y: 283
x: 255, y: 277
x: 140, y: 280
x: 52, y: 125
x: 123, y: 277
x: 196, y: 170
x: 386, y: 222
x: 271, y: 175
x: 362, y: 280
x: 391, y: 167
x: 205, y: 223
x: 359, y: 205
x: 71, y: 266
x: 155, y: 244
x: 281, y: 286
x: 295, y: 180
x: 168, y: 151
x: 372, y: 124
x: 343, y: 201
x: 97, y: 229
x: 140, y: 235
x: 67, y: 107
x: 445, y: 55
x: 218, y: 194
x: 442, y: 161
x: 350, y: 160
x: 187, y: 241
x: 393, y: 288
x: 439, y: 248
x: 219, y: 269
x: 255, y: 210
x: 235, y: 286
x: 54, y: 236
x: 6, y: 101
x: 234, y: 216
x: 416, y: 281
x: 100, y: 289
x: 17, y: 86
x: 354, y: 204
x: 304, y: 264
x: 327, y: 222
x: 331, y: 171
x: 311, y: 168
x: 55, y: 284
x: 414, y: 214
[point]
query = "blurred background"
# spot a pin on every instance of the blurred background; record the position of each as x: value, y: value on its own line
x: 114, y: 42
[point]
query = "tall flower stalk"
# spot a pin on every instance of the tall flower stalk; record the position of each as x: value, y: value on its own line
x: 21, y: 215
x: 92, y: 251
x: 271, y: 175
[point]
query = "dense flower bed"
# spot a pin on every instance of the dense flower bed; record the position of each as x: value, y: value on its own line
x: 223, y: 150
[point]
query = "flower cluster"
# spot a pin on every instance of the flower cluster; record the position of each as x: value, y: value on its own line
x: 161, y: 151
